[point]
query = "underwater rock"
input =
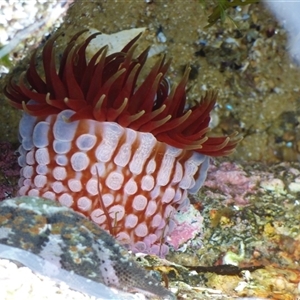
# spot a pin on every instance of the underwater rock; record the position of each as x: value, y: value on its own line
x: 57, y: 242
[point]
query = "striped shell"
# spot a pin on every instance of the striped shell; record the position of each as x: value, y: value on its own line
x: 122, y: 155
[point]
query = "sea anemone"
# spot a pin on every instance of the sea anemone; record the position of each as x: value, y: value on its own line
x: 123, y: 155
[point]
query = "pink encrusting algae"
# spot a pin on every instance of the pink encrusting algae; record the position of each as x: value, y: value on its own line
x: 232, y: 183
x: 123, y: 155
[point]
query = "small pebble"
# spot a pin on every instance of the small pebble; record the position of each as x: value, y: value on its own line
x: 294, y: 187
x: 274, y: 185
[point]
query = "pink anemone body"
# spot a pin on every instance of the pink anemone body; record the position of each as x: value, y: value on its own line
x: 122, y: 155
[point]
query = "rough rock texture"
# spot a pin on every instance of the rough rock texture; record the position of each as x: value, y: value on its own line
x: 62, y: 239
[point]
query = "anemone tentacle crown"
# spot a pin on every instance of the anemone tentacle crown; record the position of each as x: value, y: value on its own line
x: 123, y: 155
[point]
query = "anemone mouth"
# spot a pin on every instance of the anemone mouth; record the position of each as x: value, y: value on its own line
x: 105, y: 89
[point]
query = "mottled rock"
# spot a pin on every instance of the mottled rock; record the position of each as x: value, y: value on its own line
x: 60, y: 243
